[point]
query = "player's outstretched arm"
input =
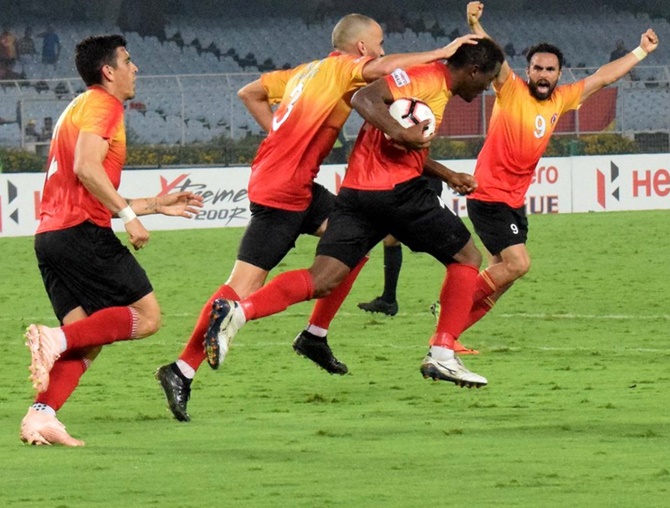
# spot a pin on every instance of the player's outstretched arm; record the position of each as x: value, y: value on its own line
x: 462, y: 183
x: 175, y: 204
x: 615, y: 70
x: 372, y: 102
x: 384, y: 65
x: 474, y: 12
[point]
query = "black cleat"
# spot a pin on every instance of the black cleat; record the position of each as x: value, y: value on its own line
x: 177, y: 390
x: 379, y: 305
x: 316, y: 349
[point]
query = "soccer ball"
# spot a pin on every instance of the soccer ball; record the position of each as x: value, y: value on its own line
x: 410, y: 111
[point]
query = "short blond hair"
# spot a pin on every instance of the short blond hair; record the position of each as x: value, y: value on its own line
x: 348, y: 31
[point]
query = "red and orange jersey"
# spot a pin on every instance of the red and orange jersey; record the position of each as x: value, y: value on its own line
x: 314, y: 103
x: 519, y: 131
x: 378, y: 164
x: 65, y: 201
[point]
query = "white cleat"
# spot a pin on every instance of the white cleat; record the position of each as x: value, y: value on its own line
x: 451, y: 370
x: 222, y: 330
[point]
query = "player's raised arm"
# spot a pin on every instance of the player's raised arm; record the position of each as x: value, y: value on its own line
x: 386, y: 64
x: 615, y: 70
x: 474, y: 13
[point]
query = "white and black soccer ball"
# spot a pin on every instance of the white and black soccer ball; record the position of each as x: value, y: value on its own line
x: 410, y: 111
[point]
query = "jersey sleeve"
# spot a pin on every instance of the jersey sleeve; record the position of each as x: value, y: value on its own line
x: 352, y: 71
x: 506, y: 90
x: 571, y: 95
x: 101, y: 116
x: 275, y: 84
x: 425, y: 82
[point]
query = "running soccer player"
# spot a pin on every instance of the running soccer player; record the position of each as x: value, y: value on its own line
x: 383, y: 193
x: 99, y: 292
x: 313, y: 106
x: 387, y: 302
x: 524, y: 117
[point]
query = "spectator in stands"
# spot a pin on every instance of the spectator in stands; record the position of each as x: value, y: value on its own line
x: 31, y: 134
x: 50, y: 46
x: 8, y: 52
x: 8, y: 74
x: 25, y: 46
x: 312, y: 107
x: 454, y: 34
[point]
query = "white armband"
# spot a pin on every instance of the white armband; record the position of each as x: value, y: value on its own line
x: 127, y: 214
x: 640, y: 53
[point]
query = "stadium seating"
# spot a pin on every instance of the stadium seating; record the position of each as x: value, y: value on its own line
x: 188, y: 93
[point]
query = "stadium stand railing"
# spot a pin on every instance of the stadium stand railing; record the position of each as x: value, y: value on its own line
x: 186, y: 91
x: 193, y: 108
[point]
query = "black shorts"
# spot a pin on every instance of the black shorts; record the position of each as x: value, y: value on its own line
x: 411, y: 212
x: 434, y: 183
x: 498, y: 225
x: 272, y: 232
x: 88, y: 266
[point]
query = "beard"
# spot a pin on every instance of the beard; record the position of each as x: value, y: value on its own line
x: 541, y: 90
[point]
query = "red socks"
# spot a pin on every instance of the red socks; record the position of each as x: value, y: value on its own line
x: 481, y: 303
x: 102, y: 327
x: 278, y: 294
x: 325, y: 308
x: 63, y: 379
x: 194, y: 351
x: 455, y: 302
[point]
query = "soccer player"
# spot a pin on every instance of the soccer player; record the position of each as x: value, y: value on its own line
x: 313, y: 105
x: 524, y: 116
x: 383, y: 193
x: 387, y: 302
x: 99, y: 292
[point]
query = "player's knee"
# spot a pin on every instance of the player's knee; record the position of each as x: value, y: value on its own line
x: 323, y: 287
x: 469, y: 255
x: 325, y: 281
x: 149, y: 324
x: 517, y: 268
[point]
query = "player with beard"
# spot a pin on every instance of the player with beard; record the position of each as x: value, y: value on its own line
x: 524, y: 116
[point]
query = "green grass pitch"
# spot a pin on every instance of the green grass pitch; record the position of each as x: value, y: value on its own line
x: 575, y: 414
